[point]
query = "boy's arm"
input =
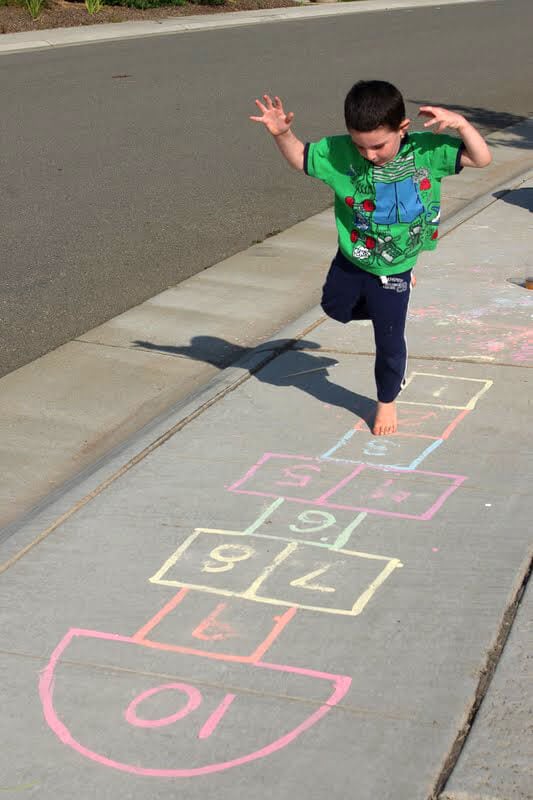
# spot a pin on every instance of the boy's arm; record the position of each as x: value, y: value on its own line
x: 476, y: 152
x: 291, y: 148
x: 278, y: 123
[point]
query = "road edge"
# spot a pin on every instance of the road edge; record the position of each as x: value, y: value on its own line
x: 53, y: 38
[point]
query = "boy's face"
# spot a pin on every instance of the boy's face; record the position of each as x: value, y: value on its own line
x: 380, y: 145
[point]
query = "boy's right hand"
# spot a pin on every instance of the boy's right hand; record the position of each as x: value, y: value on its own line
x: 273, y: 116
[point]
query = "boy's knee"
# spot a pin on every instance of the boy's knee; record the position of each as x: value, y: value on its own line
x: 335, y: 311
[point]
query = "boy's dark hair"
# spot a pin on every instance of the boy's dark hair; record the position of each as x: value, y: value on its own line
x: 371, y: 104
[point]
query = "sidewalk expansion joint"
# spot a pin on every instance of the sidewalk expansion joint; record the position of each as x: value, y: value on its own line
x: 485, y: 677
x: 131, y: 348
x: 415, y: 357
x: 357, y: 711
x: 270, y: 355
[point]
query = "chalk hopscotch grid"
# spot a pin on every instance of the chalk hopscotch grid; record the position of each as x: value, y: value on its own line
x: 341, y: 683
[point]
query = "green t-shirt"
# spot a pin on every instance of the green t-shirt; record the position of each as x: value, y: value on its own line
x: 386, y: 215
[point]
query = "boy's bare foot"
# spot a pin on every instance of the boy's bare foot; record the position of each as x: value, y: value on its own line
x: 386, y: 421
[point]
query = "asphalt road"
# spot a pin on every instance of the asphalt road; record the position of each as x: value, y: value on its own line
x: 128, y: 166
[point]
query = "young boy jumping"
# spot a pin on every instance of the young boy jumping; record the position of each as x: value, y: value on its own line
x: 387, y: 210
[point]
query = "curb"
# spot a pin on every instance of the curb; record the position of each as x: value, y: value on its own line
x: 483, y: 201
x: 98, y: 33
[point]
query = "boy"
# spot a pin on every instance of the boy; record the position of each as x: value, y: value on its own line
x: 387, y: 210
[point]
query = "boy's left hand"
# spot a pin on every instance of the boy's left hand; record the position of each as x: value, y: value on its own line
x: 441, y: 117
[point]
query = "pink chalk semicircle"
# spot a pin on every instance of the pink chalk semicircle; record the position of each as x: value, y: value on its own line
x: 341, y: 684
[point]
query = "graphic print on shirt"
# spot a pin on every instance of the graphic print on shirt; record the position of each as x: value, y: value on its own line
x: 396, y: 199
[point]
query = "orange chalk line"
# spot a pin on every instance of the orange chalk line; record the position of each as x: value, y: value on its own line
x: 161, y: 614
x: 140, y: 637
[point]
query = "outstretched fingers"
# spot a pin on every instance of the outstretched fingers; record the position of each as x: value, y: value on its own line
x: 264, y: 108
x: 273, y: 114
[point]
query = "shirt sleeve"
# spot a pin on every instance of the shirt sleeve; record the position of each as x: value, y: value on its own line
x: 446, y: 155
x: 317, y: 160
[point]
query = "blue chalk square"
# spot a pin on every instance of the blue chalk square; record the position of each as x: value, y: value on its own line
x: 398, y: 450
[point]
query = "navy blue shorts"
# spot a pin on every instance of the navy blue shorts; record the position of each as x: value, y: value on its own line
x: 351, y: 293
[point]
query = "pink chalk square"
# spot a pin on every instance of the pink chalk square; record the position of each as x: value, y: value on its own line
x: 411, y: 494
x: 423, y: 422
x: 300, y: 478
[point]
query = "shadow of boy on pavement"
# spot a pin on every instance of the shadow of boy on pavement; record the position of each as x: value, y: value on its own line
x: 523, y: 198
x: 306, y: 372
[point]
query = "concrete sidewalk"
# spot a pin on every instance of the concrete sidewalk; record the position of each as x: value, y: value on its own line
x: 255, y: 596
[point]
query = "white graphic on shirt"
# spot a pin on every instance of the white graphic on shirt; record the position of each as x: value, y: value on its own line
x: 361, y: 253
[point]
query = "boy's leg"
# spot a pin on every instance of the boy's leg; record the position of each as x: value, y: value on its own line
x: 342, y: 291
x: 388, y: 303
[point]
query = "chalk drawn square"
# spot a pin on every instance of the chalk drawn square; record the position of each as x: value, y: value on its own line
x: 289, y: 522
x: 396, y: 450
x: 300, y: 478
x: 411, y: 494
x: 423, y: 422
x: 447, y: 391
x: 331, y: 581
x: 199, y: 623
x: 224, y: 562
